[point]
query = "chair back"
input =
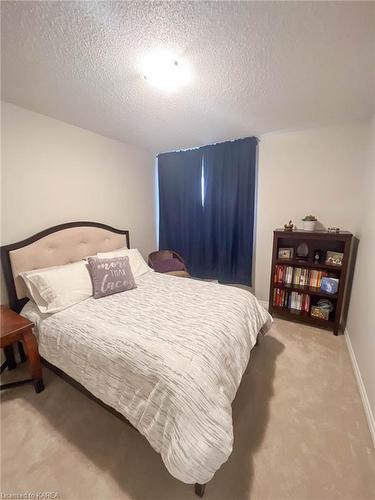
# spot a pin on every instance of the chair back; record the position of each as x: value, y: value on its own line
x: 164, y: 255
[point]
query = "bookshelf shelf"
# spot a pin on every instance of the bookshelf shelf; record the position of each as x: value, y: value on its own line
x: 306, y: 289
x: 306, y: 264
x: 297, y: 315
x: 293, y: 301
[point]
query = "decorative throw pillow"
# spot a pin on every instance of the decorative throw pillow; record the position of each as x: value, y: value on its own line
x: 136, y: 261
x: 110, y: 276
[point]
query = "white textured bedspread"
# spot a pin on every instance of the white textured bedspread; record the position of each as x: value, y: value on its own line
x: 168, y: 355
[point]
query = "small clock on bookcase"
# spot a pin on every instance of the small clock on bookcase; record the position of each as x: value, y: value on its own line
x: 318, y: 256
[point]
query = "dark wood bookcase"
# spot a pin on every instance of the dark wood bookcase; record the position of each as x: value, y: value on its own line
x: 315, y: 240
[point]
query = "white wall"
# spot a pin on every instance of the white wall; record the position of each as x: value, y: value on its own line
x: 53, y: 172
x: 317, y: 171
x: 329, y: 172
x: 361, y: 319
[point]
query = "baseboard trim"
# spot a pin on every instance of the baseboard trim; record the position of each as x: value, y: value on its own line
x: 361, y: 386
x: 263, y: 303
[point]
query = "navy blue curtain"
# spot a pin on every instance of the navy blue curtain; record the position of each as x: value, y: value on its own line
x: 210, y: 224
x: 180, y: 205
x: 229, y: 203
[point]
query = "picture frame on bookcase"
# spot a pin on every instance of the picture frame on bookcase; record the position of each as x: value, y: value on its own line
x: 285, y: 253
x: 334, y: 258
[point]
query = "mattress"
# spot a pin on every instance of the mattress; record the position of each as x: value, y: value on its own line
x: 168, y: 355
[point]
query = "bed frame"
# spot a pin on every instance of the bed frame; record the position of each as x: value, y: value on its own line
x: 59, y: 245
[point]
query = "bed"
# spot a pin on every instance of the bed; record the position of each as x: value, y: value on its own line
x: 168, y: 355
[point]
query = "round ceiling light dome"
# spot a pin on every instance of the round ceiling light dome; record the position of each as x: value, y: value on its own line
x: 164, y: 71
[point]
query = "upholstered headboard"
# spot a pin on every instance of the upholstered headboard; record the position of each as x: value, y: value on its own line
x: 55, y: 246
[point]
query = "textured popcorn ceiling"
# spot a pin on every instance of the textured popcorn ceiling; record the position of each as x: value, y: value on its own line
x: 257, y: 66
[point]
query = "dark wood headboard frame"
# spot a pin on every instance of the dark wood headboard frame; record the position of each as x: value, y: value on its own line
x: 17, y: 304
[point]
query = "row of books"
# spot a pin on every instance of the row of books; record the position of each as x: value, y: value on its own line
x: 289, y: 275
x: 292, y: 300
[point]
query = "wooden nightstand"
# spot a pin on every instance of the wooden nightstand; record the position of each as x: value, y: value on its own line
x: 15, y: 328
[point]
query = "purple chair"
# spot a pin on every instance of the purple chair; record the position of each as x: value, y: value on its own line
x: 168, y: 262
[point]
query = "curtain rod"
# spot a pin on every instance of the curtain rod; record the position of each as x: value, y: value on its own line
x: 211, y: 144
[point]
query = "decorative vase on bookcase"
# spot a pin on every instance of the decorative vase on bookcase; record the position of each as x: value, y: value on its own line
x: 308, y: 225
x: 308, y: 222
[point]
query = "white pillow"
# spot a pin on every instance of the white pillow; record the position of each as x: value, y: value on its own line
x: 136, y: 261
x: 56, y: 288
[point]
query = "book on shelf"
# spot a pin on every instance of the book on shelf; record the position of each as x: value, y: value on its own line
x: 291, y: 300
x: 300, y: 301
x: 283, y: 274
x: 316, y: 278
x: 299, y: 276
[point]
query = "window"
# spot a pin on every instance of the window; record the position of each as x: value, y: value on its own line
x: 203, y: 188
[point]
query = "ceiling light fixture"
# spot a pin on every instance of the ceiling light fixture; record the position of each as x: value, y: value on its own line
x: 162, y: 70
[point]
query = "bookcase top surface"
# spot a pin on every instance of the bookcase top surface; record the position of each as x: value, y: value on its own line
x: 301, y: 232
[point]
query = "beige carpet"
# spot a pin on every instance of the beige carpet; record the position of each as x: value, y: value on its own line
x: 300, y: 432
